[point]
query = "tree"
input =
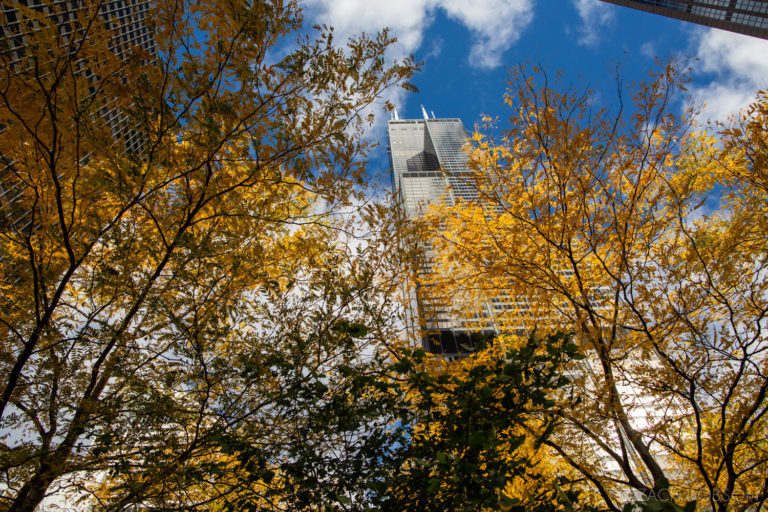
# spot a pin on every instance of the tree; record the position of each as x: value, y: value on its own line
x: 325, y: 413
x: 646, y: 239
x: 475, y: 432
x: 164, y: 297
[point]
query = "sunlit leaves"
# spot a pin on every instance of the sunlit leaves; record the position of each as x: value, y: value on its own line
x: 177, y: 267
x: 646, y: 238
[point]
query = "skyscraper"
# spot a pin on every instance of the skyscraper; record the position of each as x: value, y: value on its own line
x: 428, y: 164
x: 748, y: 17
x: 123, y: 21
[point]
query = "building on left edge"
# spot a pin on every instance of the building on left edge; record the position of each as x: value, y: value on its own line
x: 124, y: 21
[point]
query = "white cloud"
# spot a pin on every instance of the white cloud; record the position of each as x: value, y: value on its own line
x: 737, y: 66
x: 594, y: 16
x: 406, y: 19
x: 494, y: 25
x: 436, y: 48
x: 648, y: 50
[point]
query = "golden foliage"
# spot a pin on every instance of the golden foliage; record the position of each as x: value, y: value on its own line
x: 172, y: 202
x: 647, y: 239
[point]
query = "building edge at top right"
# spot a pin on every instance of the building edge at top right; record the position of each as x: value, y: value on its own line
x: 749, y: 17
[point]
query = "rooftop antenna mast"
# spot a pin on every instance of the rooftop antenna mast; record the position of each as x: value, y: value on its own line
x: 397, y: 117
x: 424, y: 112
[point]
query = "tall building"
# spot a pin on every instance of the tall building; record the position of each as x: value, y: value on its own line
x: 748, y: 17
x: 125, y: 22
x: 428, y: 164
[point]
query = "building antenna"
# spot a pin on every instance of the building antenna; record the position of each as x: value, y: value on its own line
x: 433, y: 113
x: 424, y: 112
x: 397, y: 117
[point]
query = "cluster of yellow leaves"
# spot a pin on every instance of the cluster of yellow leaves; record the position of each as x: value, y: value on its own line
x: 647, y: 240
x: 171, y: 202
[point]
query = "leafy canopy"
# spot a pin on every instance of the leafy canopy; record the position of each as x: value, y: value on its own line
x: 646, y: 238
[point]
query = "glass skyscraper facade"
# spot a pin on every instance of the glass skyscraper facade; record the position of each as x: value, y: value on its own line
x: 428, y: 164
x: 124, y: 19
x: 748, y: 17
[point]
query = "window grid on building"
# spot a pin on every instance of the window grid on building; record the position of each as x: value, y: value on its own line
x: 124, y: 19
x: 429, y: 165
x: 749, y: 17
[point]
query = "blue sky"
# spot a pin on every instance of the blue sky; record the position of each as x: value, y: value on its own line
x: 467, y: 46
